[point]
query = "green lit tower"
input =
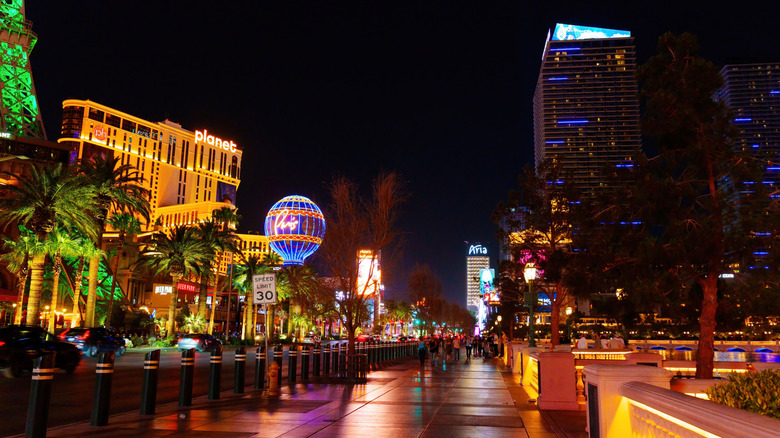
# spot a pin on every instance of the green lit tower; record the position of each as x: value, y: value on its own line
x: 21, y: 116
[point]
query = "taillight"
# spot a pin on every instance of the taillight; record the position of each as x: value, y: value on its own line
x: 84, y: 336
x: 2, y: 343
x: 62, y: 335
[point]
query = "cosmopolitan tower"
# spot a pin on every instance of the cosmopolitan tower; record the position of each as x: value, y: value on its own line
x: 586, y: 114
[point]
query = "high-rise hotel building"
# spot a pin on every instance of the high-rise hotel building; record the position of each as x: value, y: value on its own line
x: 189, y: 173
x: 752, y: 91
x: 586, y: 113
x: 476, y: 260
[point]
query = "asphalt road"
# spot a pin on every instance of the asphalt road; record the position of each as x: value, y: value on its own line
x: 73, y: 394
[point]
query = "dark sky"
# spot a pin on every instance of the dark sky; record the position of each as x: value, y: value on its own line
x: 440, y: 92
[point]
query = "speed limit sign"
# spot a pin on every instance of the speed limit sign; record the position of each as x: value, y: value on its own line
x: 264, y: 289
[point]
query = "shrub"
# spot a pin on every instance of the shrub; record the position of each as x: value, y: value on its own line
x: 754, y: 392
x: 162, y: 343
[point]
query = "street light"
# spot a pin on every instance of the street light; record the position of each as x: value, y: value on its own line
x: 530, y: 275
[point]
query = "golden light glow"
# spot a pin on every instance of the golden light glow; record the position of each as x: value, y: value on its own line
x: 674, y: 420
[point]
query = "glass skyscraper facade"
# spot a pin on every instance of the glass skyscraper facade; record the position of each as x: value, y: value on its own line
x: 752, y: 91
x: 586, y: 113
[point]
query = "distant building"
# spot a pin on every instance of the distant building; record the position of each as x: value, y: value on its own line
x: 476, y: 260
x: 752, y: 91
x: 586, y: 114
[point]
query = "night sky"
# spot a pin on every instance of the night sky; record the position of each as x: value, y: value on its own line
x: 440, y: 92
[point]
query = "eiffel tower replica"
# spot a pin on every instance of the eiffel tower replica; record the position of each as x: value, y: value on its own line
x: 21, y: 116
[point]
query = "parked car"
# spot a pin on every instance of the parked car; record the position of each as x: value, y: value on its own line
x: 363, y: 337
x: 198, y: 341
x: 311, y: 339
x: 21, y: 345
x: 94, y: 340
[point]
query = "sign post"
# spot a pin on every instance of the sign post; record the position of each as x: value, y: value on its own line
x: 264, y: 292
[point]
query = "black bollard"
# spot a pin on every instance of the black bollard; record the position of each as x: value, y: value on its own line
x: 315, y: 363
x: 260, y: 368
x: 334, y: 358
x: 372, y: 354
x: 40, y: 396
x: 343, y: 360
x: 151, y: 371
x: 187, y: 375
x: 278, y: 354
x: 103, y: 376
x: 215, y: 373
x: 292, y: 363
x: 238, y: 377
x: 305, y: 363
x: 326, y: 360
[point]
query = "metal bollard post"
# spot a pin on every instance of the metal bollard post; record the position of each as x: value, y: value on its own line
x: 103, y: 377
x: 292, y: 363
x: 326, y: 360
x: 40, y: 396
x: 343, y: 360
x: 334, y: 354
x: 187, y: 374
x: 372, y: 354
x: 151, y: 371
x: 238, y: 377
x: 315, y: 363
x: 215, y: 373
x: 305, y: 363
x: 278, y: 353
x: 260, y: 368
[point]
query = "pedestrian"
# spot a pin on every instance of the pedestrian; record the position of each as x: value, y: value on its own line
x: 469, y: 347
x: 582, y: 343
x: 422, y: 350
x: 456, y: 348
x: 596, y: 341
x: 433, y: 347
x: 480, y: 346
x: 504, y: 339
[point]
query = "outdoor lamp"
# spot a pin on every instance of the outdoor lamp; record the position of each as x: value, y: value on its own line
x: 530, y: 275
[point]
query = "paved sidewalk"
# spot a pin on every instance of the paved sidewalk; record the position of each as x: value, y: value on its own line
x: 465, y: 399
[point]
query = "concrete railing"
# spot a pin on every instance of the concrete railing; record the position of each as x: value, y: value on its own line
x: 636, y: 401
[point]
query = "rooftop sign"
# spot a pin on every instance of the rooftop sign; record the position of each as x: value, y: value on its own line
x: 214, y: 141
x: 477, y: 250
x: 565, y: 32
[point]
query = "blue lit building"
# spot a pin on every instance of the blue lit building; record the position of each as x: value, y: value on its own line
x: 586, y: 114
x: 752, y: 91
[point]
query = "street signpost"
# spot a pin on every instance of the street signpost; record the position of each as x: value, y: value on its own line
x: 264, y: 292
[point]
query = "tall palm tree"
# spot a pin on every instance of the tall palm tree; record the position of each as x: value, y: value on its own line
x: 118, y: 188
x: 51, y: 196
x: 228, y: 217
x: 242, y: 280
x: 177, y: 252
x: 17, y: 259
x: 218, y: 239
x: 60, y: 243
x: 126, y: 224
x: 86, y: 251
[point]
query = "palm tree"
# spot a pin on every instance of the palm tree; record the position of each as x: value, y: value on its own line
x: 178, y: 252
x: 17, y: 259
x: 126, y: 224
x: 219, y: 239
x: 49, y: 197
x: 226, y: 216
x: 60, y: 244
x: 118, y: 188
x: 242, y: 280
x: 85, y: 251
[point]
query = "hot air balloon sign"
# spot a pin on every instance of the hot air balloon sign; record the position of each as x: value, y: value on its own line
x: 295, y: 227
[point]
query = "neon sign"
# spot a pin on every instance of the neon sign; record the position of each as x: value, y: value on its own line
x: 214, y: 141
x: 281, y: 221
x: 100, y: 133
x: 477, y: 250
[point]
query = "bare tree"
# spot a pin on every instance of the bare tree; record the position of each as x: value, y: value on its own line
x: 353, y: 224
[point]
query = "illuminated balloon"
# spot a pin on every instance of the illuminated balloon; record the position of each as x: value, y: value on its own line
x: 295, y: 227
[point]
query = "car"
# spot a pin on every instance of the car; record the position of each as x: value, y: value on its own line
x: 94, y: 340
x: 199, y: 341
x: 311, y: 339
x: 363, y: 337
x: 21, y: 345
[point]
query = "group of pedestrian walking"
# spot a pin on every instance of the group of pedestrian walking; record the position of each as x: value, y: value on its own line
x: 448, y: 348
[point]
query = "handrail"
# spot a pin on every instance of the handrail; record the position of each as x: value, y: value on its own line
x: 687, y: 411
